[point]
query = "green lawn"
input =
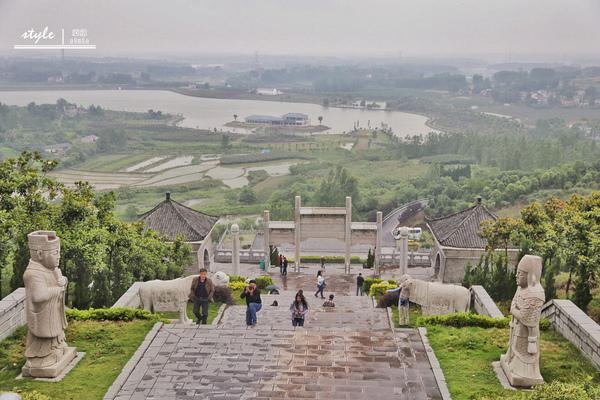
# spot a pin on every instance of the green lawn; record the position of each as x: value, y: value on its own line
x: 414, y: 313
x: 466, y: 355
x: 108, y: 346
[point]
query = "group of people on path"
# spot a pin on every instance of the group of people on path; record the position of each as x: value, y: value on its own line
x: 202, y: 291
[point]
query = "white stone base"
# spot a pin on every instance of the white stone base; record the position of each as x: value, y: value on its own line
x: 54, y: 371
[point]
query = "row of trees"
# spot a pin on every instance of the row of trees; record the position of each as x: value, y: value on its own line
x: 100, y: 255
x: 565, y: 233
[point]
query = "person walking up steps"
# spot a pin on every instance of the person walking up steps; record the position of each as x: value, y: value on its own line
x: 201, y: 293
x: 253, y: 302
x: 320, y: 284
x: 285, y: 265
x: 299, y: 308
x: 359, y: 284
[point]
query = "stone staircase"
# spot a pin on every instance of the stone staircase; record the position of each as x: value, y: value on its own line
x: 349, y: 352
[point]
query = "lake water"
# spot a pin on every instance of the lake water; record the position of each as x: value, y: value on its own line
x: 207, y: 113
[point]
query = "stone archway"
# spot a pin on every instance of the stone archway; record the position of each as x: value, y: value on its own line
x: 206, y: 259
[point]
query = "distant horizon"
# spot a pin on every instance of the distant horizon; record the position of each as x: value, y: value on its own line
x: 575, y: 59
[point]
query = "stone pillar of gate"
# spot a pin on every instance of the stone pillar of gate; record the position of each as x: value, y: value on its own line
x: 378, y: 242
x: 267, y: 235
x: 235, y: 253
x: 403, y: 250
x: 297, y: 233
x: 348, y: 235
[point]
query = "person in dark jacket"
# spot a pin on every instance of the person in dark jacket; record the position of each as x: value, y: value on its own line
x: 285, y: 265
x: 201, y: 293
x: 359, y: 284
x: 253, y: 302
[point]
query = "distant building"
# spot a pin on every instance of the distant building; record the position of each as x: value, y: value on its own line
x: 297, y: 119
x: 58, y: 149
x: 89, y: 139
x: 268, y: 92
x: 171, y: 219
x: 458, y: 242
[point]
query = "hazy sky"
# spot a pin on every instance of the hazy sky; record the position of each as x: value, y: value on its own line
x: 316, y: 27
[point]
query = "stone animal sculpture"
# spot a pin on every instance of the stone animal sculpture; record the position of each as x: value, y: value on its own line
x: 437, y: 298
x: 171, y: 295
x: 220, y: 278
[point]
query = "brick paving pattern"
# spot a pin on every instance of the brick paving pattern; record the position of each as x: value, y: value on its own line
x: 346, y: 353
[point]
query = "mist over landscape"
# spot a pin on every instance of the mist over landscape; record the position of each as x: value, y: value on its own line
x: 434, y: 162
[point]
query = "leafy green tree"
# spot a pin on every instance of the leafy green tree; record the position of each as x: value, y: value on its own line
x: 247, y: 195
x: 335, y: 187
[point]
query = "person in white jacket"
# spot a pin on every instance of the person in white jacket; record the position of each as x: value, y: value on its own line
x: 320, y: 284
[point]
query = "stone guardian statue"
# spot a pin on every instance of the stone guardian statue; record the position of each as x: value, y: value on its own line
x: 46, y: 350
x: 521, y: 363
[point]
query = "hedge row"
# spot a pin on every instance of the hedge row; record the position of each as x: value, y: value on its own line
x: 239, y: 282
x: 461, y: 319
x: 328, y: 259
x: 109, y: 314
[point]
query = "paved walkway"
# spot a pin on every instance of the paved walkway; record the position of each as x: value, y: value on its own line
x: 349, y: 352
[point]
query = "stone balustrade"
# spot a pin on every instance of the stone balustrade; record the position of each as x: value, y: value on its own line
x: 12, y: 312
x: 483, y: 304
x: 130, y: 298
x: 576, y: 326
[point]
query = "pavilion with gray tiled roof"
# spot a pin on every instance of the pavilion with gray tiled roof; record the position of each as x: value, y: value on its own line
x: 458, y: 241
x: 171, y: 219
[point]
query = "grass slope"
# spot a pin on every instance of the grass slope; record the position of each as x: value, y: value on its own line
x: 108, y: 346
x: 466, y: 355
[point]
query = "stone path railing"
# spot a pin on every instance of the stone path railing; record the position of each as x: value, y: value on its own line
x: 12, y: 312
x: 578, y: 328
x: 483, y: 304
x: 130, y: 298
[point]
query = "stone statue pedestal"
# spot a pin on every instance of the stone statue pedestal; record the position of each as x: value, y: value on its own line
x: 516, y: 380
x: 51, y: 371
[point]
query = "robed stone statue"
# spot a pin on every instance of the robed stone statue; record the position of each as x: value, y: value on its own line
x: 521, y: 363
x: 46, y: 350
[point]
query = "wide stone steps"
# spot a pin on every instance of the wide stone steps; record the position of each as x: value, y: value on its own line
x: 351, y: 312
x: 349, y: 352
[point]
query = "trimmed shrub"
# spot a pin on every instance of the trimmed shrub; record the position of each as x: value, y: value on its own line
x: 460, y: 319
x: 237, y: 285
x: 237, y: 278
x: 109, y: 314
x: 370, y: 281
x: 264, y: 281
x: 33, y: 395
x: 556, y: 391
x: 379, y: 289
